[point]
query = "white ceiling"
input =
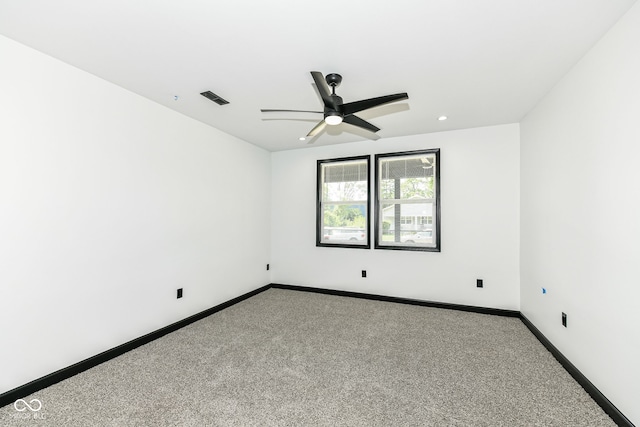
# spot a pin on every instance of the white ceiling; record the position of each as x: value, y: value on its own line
x: 480, y: 62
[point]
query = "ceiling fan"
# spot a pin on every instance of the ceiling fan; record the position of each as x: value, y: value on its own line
x: 335, y: 111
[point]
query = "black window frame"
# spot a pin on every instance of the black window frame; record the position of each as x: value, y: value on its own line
x: 319, y: 204
x: 377, y: 205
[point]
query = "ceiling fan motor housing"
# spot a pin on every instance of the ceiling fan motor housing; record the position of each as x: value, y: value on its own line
x: 337, y: 105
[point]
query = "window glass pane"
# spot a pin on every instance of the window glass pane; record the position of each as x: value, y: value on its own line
x: 411, y: 230
x: 344, y: 191
x: 351, y: 216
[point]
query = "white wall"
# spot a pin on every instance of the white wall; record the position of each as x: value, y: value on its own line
x: 580, y: 168
x: 108, y: 204
x: 480, y: 223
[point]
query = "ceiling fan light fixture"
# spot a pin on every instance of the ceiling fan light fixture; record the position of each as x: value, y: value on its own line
x: 333, y: 118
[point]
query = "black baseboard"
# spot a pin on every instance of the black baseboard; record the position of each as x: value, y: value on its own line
x: 48, y: 380
x: 64, y: 373
x: 471, y: 308
x: 606, y: 405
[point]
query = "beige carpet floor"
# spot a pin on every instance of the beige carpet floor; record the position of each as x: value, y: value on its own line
x: 289, y: 358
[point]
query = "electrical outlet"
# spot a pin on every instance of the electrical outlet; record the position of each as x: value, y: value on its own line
x: 364, y: 273
x: 564, y: 319
x: 180, y: 293
x: 479, y: 283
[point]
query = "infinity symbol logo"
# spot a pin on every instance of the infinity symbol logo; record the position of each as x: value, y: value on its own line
x: 21, y: 405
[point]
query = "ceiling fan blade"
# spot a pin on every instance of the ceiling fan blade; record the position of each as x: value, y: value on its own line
x: 316, y: 129
x: 266, y: 110
x: 323, y: 88
x: 365, y: 104
x: 357, y: 121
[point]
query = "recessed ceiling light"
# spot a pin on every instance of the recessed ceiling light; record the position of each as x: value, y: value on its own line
x: 302, y: 138
x: 442, y: 118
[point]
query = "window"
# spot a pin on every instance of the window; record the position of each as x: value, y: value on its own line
x: 406, y: 220
x: 425, y: 220
x: 342, y: 212
x: 407, y: 205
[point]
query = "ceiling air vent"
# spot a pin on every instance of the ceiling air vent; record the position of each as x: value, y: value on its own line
x: 215, y: 98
